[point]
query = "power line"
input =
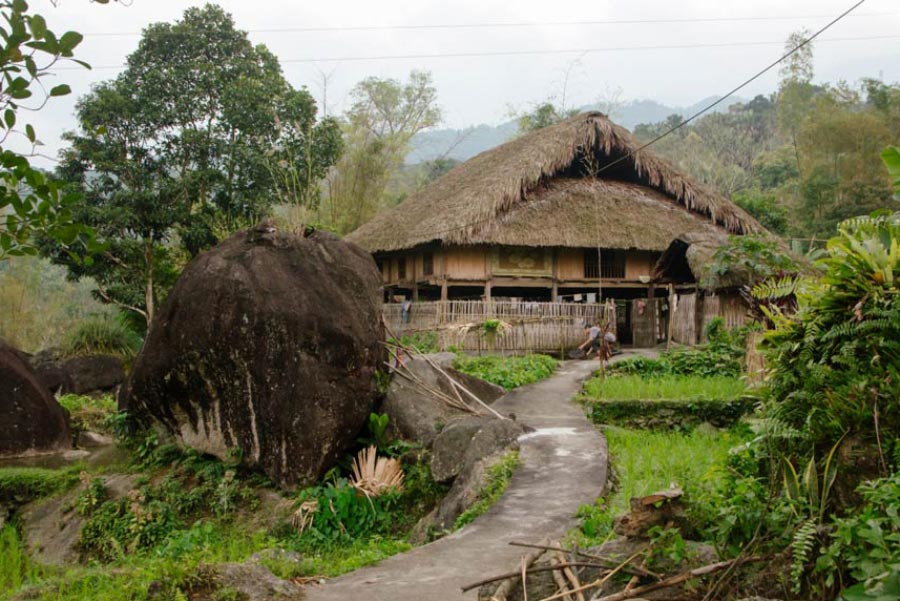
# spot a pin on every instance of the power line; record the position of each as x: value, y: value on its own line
x: 512, y: 24
x: 706, y: 109
x: 733, y: 91
x: 440, y: 55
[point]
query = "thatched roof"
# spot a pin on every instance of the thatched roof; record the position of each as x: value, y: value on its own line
x: 688, y: 257
x: 496, y: 197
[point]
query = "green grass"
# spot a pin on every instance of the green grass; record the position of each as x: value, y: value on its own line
x: 498, y: 479
x: 648, y: 461
x: 89, y: 413
x: 20, y: 485
x: 508, y: 372
x: 668, y: 387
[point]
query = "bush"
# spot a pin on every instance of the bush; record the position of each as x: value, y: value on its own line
x: 722, y: 355
x: 89, y: 413
x: 103, y: 335
x: 508, y: 372
x: 866, y: 544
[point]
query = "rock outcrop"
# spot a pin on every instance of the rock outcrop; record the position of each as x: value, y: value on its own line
x: 266, y: 347
x: 32, y: 420
x: 415, y: 413
x: 89, y: 374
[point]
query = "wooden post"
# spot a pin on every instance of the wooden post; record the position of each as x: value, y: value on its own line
x: 444, y: 291
x: 415, y: 291
x: 554, y: 290
x: 671, y: 315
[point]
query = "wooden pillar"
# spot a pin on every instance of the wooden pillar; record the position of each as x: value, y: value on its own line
x: 444, y: 290
x: 554, y: 289
x: 415, y: 291
x: 671, y: 315
x: 487, y: 291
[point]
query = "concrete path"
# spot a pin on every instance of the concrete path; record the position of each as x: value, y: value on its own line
x: 564, y: 465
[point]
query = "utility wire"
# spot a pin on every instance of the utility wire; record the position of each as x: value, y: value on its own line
x: 339, y: 28
x: 747, y: 82
x: 532, y: 52
x: 689, y: 119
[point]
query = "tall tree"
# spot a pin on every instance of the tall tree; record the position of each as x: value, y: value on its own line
x: 186, y: 145
x: 378, y: 128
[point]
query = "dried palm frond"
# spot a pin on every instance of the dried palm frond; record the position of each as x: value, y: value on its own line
x: 373, y: 475
x: 302, y: 518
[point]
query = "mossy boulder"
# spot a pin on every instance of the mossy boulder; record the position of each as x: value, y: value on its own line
x: 32, y: 420
x: 267, y: 349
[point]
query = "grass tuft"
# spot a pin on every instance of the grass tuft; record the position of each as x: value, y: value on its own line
x: 508, y: 372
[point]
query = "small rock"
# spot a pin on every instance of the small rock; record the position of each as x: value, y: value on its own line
x: 276, y: 555
x: 87, y: 439
x: 251, y: 582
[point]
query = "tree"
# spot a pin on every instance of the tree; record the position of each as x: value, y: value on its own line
x: 378, y: 128
x: 31, y: 204
x: 544, y: 114
x: 198, y: 137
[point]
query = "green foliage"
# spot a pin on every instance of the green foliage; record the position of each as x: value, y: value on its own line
x: 865, y: 545
x: 498, y: 478
x: 765, y: 207
x: 103, y: 335
x: 543, y: 115
x: 20, y: 485
x: 721, y: 356
x: 424, y: 342
x: 891, y: 158
x: 31, y: 203
x: 384, y: 116
x: 88, y: 412
x: 195, y: 139
x: 750, y: 258
x: 344, y: 513
x: 644, y: 462
x: 668, y: 387
x: 508, y: 372
x: 835, y: 360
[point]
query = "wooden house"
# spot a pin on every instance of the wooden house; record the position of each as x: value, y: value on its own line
x: 571, y: 212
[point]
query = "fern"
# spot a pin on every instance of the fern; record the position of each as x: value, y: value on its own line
x: 801, y: 551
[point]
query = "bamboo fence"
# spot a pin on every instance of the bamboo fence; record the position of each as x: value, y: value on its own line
x: 521, y: 326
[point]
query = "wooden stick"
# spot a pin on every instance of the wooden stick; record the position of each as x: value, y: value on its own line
x: 531, y: 570
x: 562, y: 584
x: 599, y: 581
x: 461, y: 387
x: 674, y: 580
x: 524, y: 583
x: 440, y: 395
x: 509, y: 581
x: 634, y: 570
x: 571, y: 577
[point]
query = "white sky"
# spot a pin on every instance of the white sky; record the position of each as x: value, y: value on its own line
x: 473, y: 90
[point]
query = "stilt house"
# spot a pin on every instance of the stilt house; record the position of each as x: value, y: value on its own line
x: 568, y: 213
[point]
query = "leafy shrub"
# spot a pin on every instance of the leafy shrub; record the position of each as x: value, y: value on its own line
x: 866, y: 544
x: 343, y: 513
x: 508, y: 372
x: 753, y: 257
x: 102, y: 334
x: 836, y: 361
x: 89, y: 413
x: 722, y: 355
x: 424, y: 342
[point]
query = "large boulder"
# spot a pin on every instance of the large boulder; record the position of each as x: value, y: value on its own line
x: 418, y: 414
x: 267, y: 346
x: 32, y: 420
x: 88, y: 374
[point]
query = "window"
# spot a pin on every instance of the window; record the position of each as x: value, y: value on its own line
x: 401, y: 268
x: 610, y: 266
x: 428, y: 264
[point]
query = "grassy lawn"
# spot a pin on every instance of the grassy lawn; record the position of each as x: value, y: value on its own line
x: 666, y: 387
x: 508, y: 372
x: 648, y: 461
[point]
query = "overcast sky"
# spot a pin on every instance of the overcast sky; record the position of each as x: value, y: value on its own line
x: 481, y: 89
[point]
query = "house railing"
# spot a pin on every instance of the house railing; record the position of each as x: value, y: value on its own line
x: 498, y: 325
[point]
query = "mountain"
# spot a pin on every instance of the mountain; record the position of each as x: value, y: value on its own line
x: 461, y: 144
